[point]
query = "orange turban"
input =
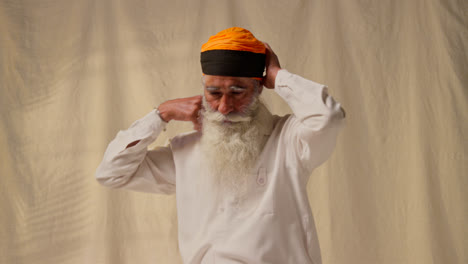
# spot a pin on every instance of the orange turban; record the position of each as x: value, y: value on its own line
x: 233, y: 52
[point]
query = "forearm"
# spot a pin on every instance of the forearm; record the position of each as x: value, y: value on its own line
x: 128, y: 149
x: 312, y: 131
x: 310, y: 101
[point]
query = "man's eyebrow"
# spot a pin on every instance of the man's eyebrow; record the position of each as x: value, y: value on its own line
x: 212, y: 89
x: 235, y: 87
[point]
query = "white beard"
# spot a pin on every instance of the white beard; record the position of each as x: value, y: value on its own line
x: 232, y: 144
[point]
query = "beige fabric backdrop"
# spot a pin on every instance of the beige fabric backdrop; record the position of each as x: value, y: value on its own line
x: 72, y: 73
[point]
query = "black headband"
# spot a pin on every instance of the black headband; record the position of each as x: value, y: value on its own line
x: 232, y: 63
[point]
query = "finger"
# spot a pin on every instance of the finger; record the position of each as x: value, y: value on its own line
x: 198, y: 101
x: 198, y: 98
x: 267, y: 50
x: 196, y: 113
x: 193, y: 108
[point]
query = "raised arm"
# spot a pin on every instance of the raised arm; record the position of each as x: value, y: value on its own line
x: 312, y: 130
x: 128, y: 164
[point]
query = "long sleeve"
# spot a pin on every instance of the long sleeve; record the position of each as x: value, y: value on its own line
x: 311, y: 132
x: 136, y: 168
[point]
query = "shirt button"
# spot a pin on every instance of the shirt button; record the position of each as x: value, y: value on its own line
x: 261, y: 180
x: 262, y: 177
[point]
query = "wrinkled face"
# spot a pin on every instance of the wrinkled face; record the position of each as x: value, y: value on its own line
x: 228, y: 95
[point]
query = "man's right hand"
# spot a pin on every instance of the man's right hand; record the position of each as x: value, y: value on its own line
x: 182, y: 109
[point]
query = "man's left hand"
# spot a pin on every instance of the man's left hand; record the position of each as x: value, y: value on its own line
x: 272, y: 67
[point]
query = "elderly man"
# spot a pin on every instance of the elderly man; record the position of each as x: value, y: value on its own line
x: 240, y: 177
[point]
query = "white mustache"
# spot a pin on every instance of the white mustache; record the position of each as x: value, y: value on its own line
x: 245, y: 115
x: 231, y: 117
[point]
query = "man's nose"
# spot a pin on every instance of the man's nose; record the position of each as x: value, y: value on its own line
x: 225, y: 105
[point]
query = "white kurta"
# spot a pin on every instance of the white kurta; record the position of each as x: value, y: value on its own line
x: 274, y: 224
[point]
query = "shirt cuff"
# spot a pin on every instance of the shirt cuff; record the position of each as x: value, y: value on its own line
x: 150, y: 124
x: 145, y: 129
x: 288, y: 84
x: 305, y: 97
